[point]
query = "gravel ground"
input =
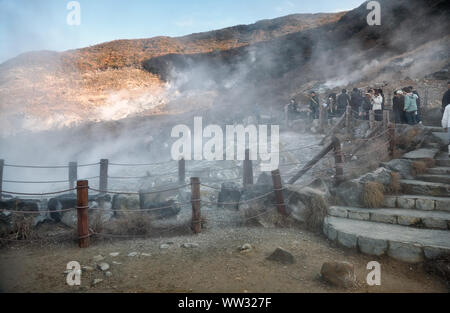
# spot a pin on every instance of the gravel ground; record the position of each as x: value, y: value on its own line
x: 213, y: 264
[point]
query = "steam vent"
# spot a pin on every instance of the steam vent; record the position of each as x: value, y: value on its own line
x: 225, y: 152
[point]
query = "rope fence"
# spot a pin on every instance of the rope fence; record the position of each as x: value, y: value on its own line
x: 246, y: 174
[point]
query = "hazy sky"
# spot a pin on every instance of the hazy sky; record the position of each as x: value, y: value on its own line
x: 27, y: 25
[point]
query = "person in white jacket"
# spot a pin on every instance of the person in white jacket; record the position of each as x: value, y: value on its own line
x: 446, y: 123
x: 377, y: 105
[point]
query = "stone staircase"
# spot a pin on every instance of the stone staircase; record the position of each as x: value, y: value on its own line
x: 410, y: 227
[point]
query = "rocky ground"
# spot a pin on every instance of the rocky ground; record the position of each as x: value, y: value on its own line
x: 208, y: 262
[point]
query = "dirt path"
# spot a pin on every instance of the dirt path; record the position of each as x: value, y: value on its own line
x: 216, y: 265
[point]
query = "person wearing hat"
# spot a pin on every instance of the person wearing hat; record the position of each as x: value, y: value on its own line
x: 398, y: 103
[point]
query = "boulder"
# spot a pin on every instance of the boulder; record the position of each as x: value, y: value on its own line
x: 257, y: 205
x: 229, y: 192
x: 167, y: 199
x: 401, y: 166
x: 121, y: 204
x: 282, y: 256
x: 264, y: 179
x: 341, y: 274
x: 70, y: 218
x: 307, y: 205
x: 68, y: 201
x: 20, y: 204
x: 350, y: 192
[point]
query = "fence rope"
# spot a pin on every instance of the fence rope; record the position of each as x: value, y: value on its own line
x: 38, y: 194
x: 137, y: 193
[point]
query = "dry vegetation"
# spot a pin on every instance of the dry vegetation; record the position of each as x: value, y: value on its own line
x: 394, y: 187
x: 373, y: 194
x: 418, y: 168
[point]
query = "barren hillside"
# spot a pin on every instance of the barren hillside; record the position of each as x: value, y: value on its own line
x: 41, y: 90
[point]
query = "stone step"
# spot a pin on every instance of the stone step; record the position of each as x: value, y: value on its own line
x: 442, y: 159
x: 435, y: 129
x: 407, y: 244
x: 405, y: 217
x: 445, y: 179
x: 439, y: 171
x: 441, y: 138
x: 418, y: 187
x: 420, y: 154
x: 418, y: 202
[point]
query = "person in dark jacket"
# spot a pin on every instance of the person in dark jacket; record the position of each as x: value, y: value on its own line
x: 398, y: 104
x: 342, y: 101
x: 446, y: 97
x: 356, y: 102
x: 314, y: 105
x: 366, y: 106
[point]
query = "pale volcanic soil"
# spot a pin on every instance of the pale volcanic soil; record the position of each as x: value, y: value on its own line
x: 216, y: 265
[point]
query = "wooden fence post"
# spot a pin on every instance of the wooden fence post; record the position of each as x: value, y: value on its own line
x: 371, y: 119
x: 348, y: 115
x: 103, y: 186
x: 181, y: 171
x: 2, y: 165
x: 82, y: 213
x: 338, y: 161
x: 278, y: 189
x: 195, y: 200
x: 391, y: 132
x: 248, y: 169
x: 73, y: 174
x: 385, y: 118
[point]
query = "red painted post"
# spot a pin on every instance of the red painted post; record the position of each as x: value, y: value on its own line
x: 278, y: 189
x: 82, y: 213
x: 195, y: 200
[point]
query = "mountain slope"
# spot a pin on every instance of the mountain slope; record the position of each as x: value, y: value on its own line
x: 46, y: 89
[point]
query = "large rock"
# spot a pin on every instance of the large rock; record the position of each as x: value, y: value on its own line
x: 168, y: 199
x: 20, y: 204
x: 264, y: 179
x: 350, y: 192
x: 341, y: 274
x: 123, y: 204
x: 411, y: 137
x: 95, y: 216
x: 401, y: 166
x: 69, y: 201
x: 257, y: 205
x: 282, y: 256
x: 307, y: 205
x: 229, y: 193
